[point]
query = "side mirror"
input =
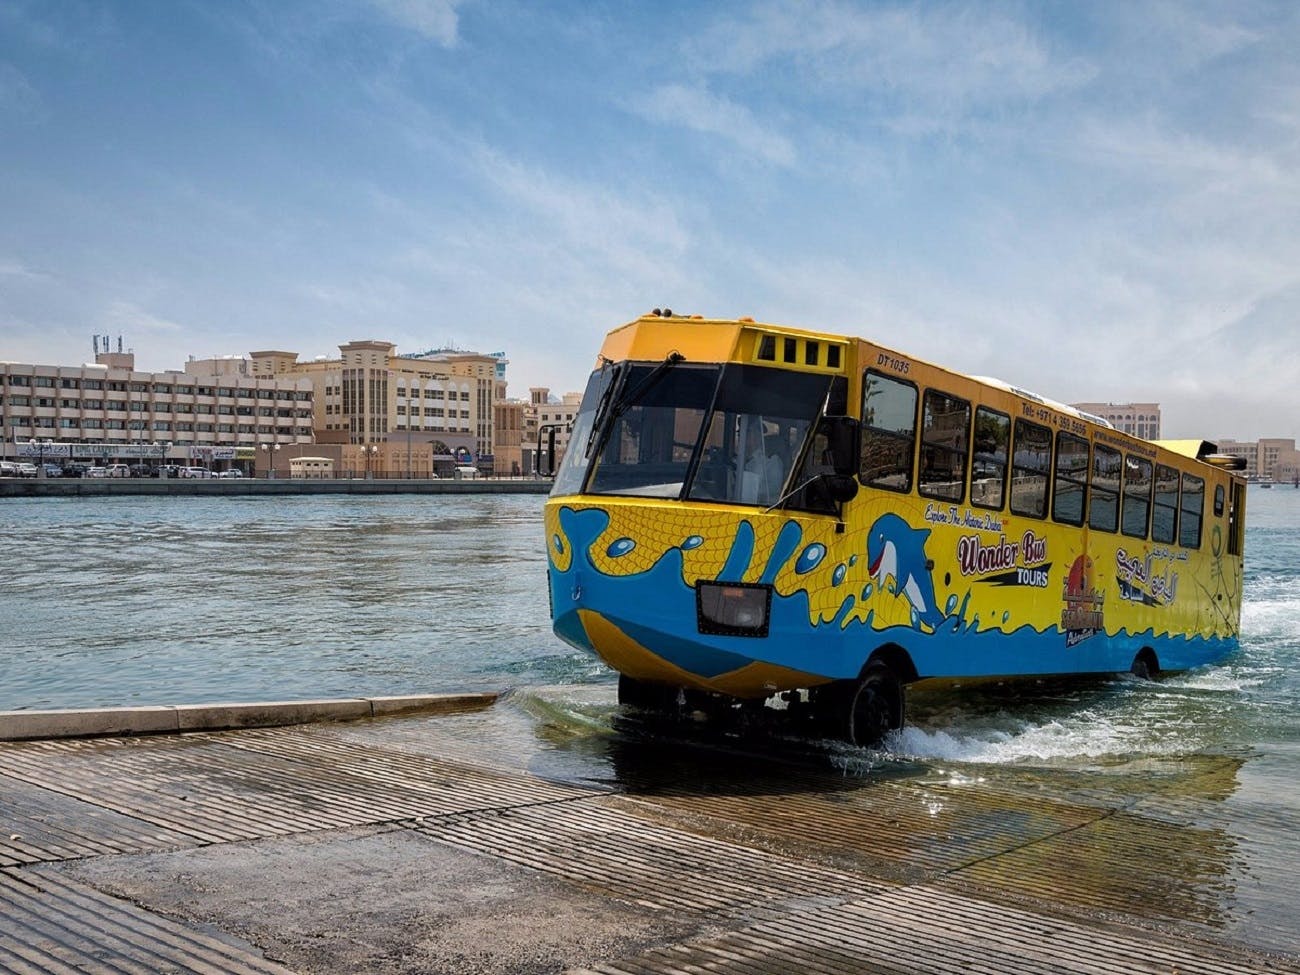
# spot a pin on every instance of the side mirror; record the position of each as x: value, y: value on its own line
x: 546, y: 458
x: 843, y: 439
x: 840, y: 487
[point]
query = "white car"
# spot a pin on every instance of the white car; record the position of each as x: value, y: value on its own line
x: 28, y: 470
x: 118, y: 470
x: 233, y: 472
x: 195, y: 472
x: 96, y: 472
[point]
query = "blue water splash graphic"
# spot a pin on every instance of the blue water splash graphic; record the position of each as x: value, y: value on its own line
x: 810, y: 558
x: 695, y: 541
x: 620, y: 547
x: 837, y: 576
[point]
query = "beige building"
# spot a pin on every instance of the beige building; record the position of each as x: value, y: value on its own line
x: 108, y: 410
x: 399, y: 415
x: 1269, y: 458
x: 1139, y: 419
x: 508, y: 450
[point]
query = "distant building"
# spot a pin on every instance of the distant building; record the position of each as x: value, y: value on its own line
x: 109, y: 410
x: 399, y: 415
x: 1274, y: 458
x: 1139, y: 419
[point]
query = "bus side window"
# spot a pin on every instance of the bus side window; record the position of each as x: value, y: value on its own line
x: 945, y: 439
x: 1103, y: 496
x: 1164, y: 510
x: 1071, y: 486
x: 1137, y: 496
x: 888, y: 432
x: 988, y: 473
x: 1189, y: 523
x: 1031, y: 465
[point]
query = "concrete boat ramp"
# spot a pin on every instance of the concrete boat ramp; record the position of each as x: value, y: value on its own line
x: 545, y: 833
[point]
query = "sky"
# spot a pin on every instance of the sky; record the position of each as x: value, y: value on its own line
x: 1096, y: 201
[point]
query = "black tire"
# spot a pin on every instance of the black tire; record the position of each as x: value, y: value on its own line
x: 863, y: 711
x: 1145, y: 666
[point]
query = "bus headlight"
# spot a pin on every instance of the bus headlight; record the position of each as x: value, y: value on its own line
x: 732, y: 608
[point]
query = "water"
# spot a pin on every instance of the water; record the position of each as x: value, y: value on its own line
x: 122, y: 601
x: 127, y: 601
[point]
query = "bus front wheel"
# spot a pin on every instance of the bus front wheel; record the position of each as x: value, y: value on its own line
x: 863, y: 711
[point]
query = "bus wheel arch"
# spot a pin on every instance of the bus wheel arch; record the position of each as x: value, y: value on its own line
x: 863, y: 710
x: 1146, y: 665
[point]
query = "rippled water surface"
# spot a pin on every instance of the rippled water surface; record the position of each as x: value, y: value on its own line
x: 120, y: 601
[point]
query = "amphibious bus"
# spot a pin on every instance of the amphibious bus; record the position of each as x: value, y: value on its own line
x: 745, y: 511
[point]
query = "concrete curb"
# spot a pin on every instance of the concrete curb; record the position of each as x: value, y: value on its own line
x: 164, y: 719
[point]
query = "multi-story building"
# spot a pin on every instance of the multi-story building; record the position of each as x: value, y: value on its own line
x: 510, y: 447
x: 1269, y: 458
x: 399, y: 414
x: 108, y: 410
x: 1139, y: 419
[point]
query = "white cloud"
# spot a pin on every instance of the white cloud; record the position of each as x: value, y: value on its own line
x: 937, y: 62
x: 701, y: 111
x: 434, y: 19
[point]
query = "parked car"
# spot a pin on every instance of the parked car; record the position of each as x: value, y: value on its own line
x: 73, y: 469
x: 233, y: 472
x: 53, y: 470
x: 140, y: 470
x: 166, y: 470
x: 118, y: 470
x: 28, y: 470
x: 8, y: 468
x: 96, y: 471
x: 195, y: 472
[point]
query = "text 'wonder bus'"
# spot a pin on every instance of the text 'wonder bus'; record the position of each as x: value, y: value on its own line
x: 745, y: 510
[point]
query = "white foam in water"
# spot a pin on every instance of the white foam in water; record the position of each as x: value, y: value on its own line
x: 1088, y: 736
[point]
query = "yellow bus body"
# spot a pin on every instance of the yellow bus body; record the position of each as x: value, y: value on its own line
x: 950, y: 585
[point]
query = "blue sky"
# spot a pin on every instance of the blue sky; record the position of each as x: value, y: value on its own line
x: 1097, y: 201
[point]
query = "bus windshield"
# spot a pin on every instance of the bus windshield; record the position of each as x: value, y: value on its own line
x: 730, y: 433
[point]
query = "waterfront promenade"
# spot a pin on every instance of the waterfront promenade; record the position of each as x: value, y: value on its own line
x: 58, y: 487
x: 518, y: 836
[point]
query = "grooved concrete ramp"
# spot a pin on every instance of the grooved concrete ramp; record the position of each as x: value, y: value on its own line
x: 515, y: 840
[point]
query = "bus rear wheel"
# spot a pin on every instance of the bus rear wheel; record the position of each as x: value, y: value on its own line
x: 1145, y: 665
x: 863, y: 711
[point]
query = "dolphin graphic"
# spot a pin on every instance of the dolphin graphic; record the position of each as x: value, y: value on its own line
x: 895, y: 548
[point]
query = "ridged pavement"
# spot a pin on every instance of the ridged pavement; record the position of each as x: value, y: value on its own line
x: 774, y: 870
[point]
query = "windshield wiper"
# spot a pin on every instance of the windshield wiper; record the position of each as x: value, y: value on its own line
x: 620, y: 404
x: 602, y: 407
x: 644, y: 386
